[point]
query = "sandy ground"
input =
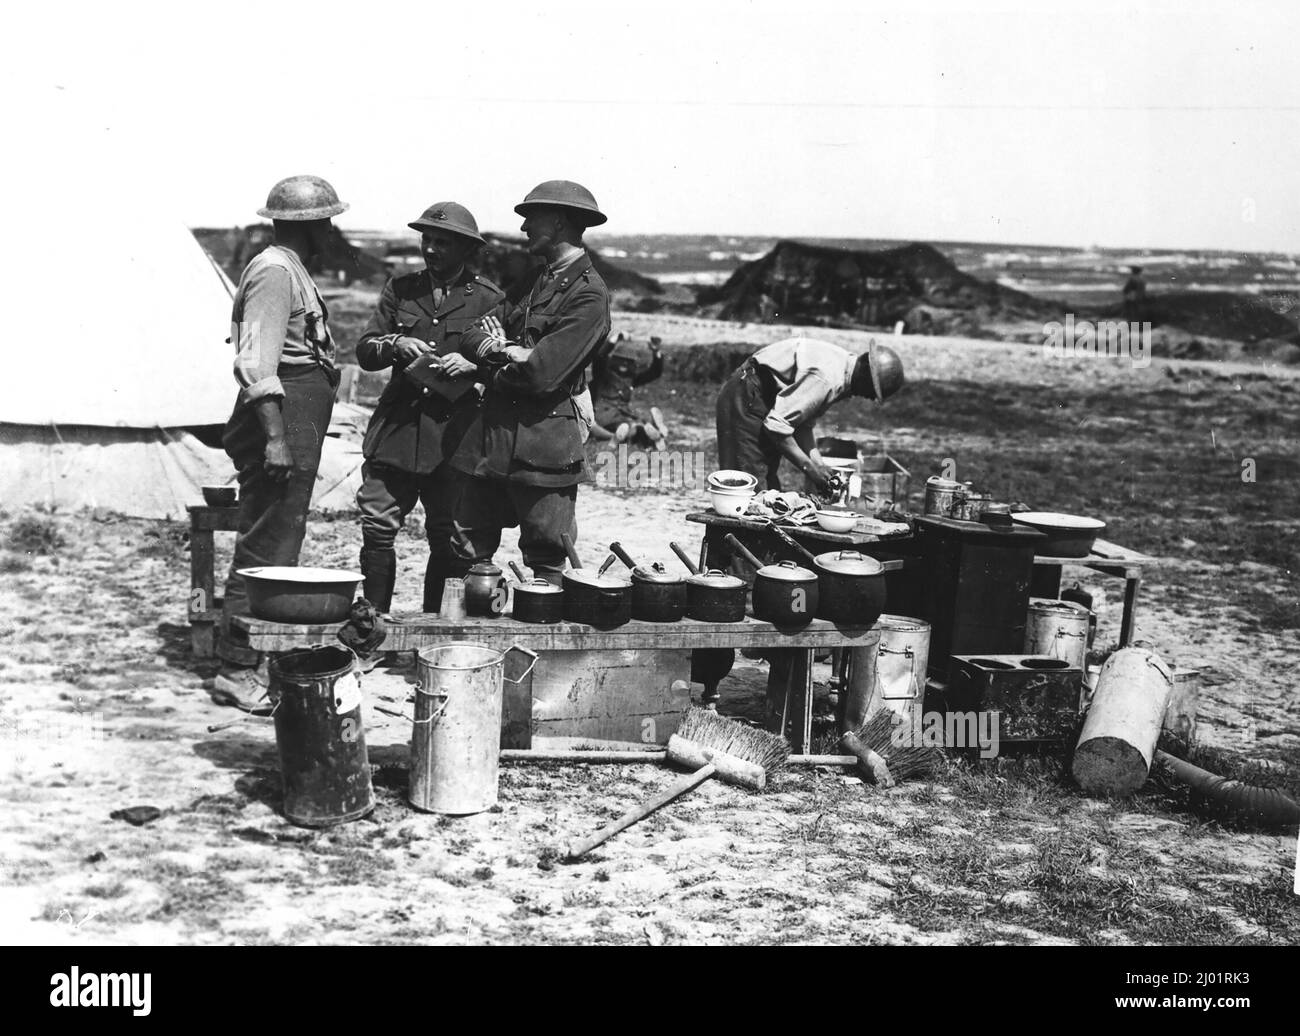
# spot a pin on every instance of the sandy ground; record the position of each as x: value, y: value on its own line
x: 104, y: 708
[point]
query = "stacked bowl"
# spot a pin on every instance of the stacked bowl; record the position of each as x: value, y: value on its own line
x: 731, y: 491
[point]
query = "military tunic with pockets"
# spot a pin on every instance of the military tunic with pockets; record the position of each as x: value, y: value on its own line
x: 409, y: 427
x: 413, y: 430
x: 528, y: 430
x: 525, y: 447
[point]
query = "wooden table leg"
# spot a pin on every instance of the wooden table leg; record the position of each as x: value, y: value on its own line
x: 790, y: 696
x: 1045, y: 581
x: 1132, y: 583
x: 713, y: 548
x: 203, y: 594
x: 801, y: 688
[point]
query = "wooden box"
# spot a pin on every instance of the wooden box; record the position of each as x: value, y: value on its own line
x: 1036, y: 696
x: 596, y: 697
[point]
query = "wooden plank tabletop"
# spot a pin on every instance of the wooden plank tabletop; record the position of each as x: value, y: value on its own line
x: 812, y: 532
x: 411, y: 632
x: 1103, y: 553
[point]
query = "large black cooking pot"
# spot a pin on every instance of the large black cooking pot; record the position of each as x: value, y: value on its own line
x: 851, y: 584
x: 536, y: 600
x: 593, y: 598
x: 712, y: 596
x: 785, y: 594
x: 657, y: 595
x: 852, y: 587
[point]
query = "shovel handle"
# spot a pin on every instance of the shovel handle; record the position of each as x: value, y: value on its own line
x: 585, y: 845
x: 742, y: 550
x: 214, y: 727
x: 622, y: 554
x: 793, y: 544
x: 570, y: 550
x: 519, y: 572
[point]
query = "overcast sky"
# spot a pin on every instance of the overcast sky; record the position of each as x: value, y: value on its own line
x: 1136, y: 124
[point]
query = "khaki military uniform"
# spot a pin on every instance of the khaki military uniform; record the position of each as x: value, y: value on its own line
x: 416, y: 426
x: 524, y: 450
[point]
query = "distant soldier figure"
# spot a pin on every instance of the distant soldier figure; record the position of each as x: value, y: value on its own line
x: 250, y: 241
x: 284, y: 364
x: 615, y: 374
x: 1135, y: 294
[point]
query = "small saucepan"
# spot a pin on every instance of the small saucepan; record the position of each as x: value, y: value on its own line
x: 657, y: 595
x: 712, y: 596
x: 536, y: 600
x: 785, y: 594
x: 592, y: 597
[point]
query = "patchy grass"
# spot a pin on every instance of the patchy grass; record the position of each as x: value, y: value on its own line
x: 14, y: 564
x: 38, y: 534
x: 166, y: 541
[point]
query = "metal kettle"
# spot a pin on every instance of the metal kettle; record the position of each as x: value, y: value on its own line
x: 486, y: 590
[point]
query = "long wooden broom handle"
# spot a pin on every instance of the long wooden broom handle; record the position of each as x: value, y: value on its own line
x: 577, y: 849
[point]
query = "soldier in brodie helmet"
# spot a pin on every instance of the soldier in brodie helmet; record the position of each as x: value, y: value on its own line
x: 284, y: 364
x: 431, y: 397
x: 768, y: 407
x: 525, y: 452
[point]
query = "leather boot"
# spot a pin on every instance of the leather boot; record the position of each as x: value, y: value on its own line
x: 379, y: 566
x: 436, y: 572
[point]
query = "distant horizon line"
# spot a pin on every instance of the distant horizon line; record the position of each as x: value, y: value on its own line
x: 604, y: 234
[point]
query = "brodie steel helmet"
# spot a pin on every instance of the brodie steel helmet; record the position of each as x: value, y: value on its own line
x: 449, y: 216
x: 302, y: 198
x: 883, y: 373
x: 564, y: 194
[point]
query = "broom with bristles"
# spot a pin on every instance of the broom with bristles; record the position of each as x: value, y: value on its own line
x: 885, y: 762
x: 711, y: 746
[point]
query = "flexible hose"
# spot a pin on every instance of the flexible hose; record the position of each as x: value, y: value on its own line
x: 1267, y: 807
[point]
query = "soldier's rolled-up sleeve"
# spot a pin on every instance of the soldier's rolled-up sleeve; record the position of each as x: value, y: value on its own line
x: 560, y: 353
x: 804, y: 401
x: 259, y: 335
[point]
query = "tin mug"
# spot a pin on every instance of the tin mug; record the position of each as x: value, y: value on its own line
x: 941, y: 496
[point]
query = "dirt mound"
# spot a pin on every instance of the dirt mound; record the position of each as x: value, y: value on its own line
x: 503, y: 259
x: 1217, y: 314
x: 232, y: 248
x: 838, y: 287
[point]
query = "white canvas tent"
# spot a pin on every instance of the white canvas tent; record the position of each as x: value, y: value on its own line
x: 116, y: 332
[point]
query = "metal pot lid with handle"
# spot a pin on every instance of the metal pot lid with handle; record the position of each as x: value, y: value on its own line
x: 656, y: 573
x: 484, y: 568
x: 849, y: 563
x: 586, y: 578
x: 717, y: 580
x: 788, y: 571
x: 539, y: 586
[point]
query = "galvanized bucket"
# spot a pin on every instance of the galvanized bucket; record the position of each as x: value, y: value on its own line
x: 318, y: 731
x: 901, y: 660
x: 1057, y: 629
x: 456, y: 738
